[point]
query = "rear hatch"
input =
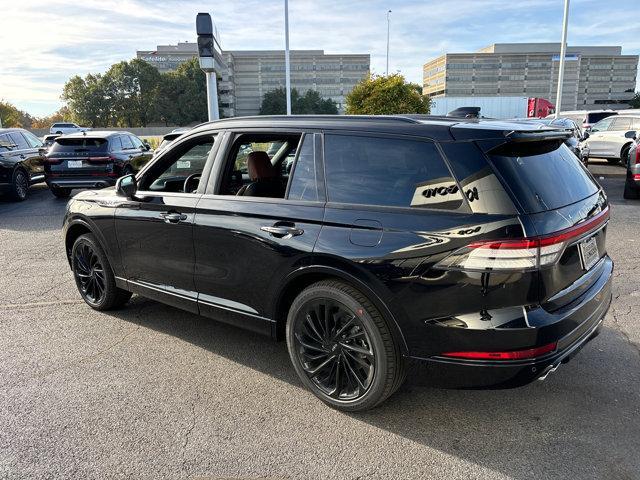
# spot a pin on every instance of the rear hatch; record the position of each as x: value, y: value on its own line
x: 79, y: 156
x: 564, y: 208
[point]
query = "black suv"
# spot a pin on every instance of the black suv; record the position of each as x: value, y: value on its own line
x: 477, y: 247
x: 21, y: 162
x: 93, y: 160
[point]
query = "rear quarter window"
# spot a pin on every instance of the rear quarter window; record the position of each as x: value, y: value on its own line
x: 543, y: 176
x: 387, y: 171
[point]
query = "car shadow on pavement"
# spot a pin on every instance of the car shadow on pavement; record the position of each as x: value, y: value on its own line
x: 582, y: 422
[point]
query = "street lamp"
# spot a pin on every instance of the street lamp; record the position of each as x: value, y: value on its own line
x: 206, y: 55
x: 388, y: 22
x: 287, y: 66
x: 563, y: 51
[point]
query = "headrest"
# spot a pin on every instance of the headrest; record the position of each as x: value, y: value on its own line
x: 259, y: 166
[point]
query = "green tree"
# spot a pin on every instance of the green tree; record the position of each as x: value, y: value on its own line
x: 87, y: 100
x: 275, y: 103
x: 635, y: 101
x: 132, y: 88
x: 182, y: 95
x: 386, y: 95
x: 11, y: 116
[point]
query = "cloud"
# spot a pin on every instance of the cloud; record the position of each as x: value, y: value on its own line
x: 50, y: 41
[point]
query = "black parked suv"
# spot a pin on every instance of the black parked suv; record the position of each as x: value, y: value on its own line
x: 21, y: 162
x: 93, y: 160
x: 477, y: 247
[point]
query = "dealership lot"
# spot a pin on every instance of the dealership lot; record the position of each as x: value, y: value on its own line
x: 153, y: 392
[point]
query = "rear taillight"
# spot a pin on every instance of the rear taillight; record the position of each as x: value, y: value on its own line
x: 519, y: 254
x: 637, y: 154
x: 509, y: 355
x: 636, y: 177
x: 100, y: 159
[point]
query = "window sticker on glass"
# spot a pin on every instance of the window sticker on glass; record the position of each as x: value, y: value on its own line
x: 183, y: 164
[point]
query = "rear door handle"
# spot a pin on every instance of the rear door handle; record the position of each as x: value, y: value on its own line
x: 173, y: 217
x: 280, y: 231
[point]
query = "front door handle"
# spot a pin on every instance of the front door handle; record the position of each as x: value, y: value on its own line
x: 173, y: 217
x: 281, y: 231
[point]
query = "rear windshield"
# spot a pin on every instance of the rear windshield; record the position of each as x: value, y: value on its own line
x: 544, y: 177
x: 79, y: 145
x: 595, y: 117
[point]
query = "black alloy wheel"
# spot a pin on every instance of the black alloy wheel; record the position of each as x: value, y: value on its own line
x: 20, y: 185
x: 334, y: 349
x: 93, y: 275
x: 89, y: 273
x: 342, y: 348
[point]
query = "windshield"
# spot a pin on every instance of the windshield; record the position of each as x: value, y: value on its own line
x: 544, y: 177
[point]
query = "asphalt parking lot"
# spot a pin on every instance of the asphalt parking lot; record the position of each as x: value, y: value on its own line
x: 154, y: 392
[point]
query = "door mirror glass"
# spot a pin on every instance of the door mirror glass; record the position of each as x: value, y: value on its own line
x: 127, y: 186
x: 632, y: 134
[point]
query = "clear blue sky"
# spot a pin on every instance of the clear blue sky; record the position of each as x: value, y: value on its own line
x: 45, y: 42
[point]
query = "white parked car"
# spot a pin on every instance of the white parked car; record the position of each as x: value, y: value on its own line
x: 64, y: 127
x: 612, y: 137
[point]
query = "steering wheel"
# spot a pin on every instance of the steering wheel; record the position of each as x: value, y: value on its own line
x: 185, y: 186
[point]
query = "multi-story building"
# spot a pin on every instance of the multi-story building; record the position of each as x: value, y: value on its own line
x: 249, y: 74
x: 594, y: 77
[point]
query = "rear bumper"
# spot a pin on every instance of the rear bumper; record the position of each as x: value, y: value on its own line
x: 81, y: 182
x: 571, y: 327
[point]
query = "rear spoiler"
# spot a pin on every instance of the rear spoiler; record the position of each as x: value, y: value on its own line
x: 538, y: 135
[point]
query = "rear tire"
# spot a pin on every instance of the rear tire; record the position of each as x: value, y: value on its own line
x: 19, y: 185
x: 93, y: 275
x: 630, y: 191
x: 624, y: 154
x: 342, y: 347
x: 60, y: 192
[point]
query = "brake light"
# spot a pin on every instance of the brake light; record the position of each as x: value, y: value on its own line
x: 636, y: 176
x: 637, y: 154
x: 509, y: 355
x: 100, y: 159
x: 519, y: 254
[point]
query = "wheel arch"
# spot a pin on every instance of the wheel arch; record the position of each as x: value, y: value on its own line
x: 624, y: 148
x: 300, y: 279
x: 79, y: 226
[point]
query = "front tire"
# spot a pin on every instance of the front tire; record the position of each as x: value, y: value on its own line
x: 94, y: 278
x: 342, y: 347
x: 19, y: 185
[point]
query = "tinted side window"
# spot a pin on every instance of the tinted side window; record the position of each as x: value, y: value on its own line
x: 388, y: 171
x: 621, y: 123
x: 137, y: 143
x: 116, y: 144
x: 479, y: 183
x: 19, y: 140
x: 126, y: 142
x: 5, y: 142
x: 32, y: 140
x: 304, y: 184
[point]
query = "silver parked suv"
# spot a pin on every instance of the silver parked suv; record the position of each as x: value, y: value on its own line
x: 609, y: 138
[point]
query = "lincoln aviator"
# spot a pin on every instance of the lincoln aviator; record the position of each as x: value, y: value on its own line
x: 368, y: 244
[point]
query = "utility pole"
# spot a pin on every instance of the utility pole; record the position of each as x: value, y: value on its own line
x: 287, y: 66
x: 206, y: 56
x: 563, y: 51
x: 388, y: 22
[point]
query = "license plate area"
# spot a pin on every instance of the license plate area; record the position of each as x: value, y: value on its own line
x: 74, y: 164
x: 589, y: 254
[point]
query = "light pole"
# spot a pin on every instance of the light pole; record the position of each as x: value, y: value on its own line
x: 563, y: 51
x: 388, y: 23
x: 287, y: 66
x: 206, y: 56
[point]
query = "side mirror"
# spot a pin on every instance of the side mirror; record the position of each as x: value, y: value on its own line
x: 127, y: 186
x: 632, y: 134
x: 585, y: 135
x: 146, y: 145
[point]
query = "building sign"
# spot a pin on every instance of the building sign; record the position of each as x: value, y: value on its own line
x: 570, y: 57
